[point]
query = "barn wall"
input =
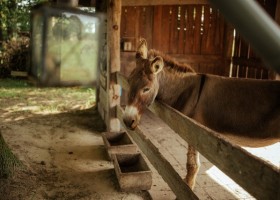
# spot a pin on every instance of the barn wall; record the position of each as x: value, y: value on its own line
x: 194, y: 34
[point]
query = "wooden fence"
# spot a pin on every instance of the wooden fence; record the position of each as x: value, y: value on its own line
x: 256, y: 176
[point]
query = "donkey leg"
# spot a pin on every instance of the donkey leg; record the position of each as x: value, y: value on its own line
x: 193, y: 165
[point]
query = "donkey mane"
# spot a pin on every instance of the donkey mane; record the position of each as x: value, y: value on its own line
x: 170, y: 63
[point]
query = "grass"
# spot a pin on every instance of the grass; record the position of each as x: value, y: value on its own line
x: 19, y: 95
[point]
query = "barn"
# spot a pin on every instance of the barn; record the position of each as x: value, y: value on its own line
x: 150, y: 161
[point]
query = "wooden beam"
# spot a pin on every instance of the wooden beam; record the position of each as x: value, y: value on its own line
x: 19, y: 73
x: 164, y: 168
x: 255, y: 63
x: 277, y: 12
x: 113, y: 59
x: 162, y: 2
x: 130, y: 56
x: 243, y: 167
x: 113, y: 37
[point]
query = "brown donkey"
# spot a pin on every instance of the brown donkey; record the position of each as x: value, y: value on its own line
x: 243, y: 107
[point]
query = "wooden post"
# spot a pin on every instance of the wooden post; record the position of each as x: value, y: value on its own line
x: 228, y: 43
x: 113, y: 63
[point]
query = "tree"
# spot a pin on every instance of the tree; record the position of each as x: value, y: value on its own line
x: 8, y: 161
x: 15, y: 16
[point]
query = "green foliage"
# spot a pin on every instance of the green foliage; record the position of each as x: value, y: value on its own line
x: 14, y: 55
x: 15, y: 16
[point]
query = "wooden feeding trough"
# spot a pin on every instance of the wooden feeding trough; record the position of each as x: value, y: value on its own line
x: 132, y: 172
x: 118, y: 143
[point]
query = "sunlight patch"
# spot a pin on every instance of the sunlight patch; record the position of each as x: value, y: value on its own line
x: 227, y: 183
x: 269, y: 153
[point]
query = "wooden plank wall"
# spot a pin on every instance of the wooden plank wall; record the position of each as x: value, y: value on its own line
x: 178, y: 30
x: 246, y: 63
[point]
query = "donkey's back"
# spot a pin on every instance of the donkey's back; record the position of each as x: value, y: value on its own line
x: 245, y: 107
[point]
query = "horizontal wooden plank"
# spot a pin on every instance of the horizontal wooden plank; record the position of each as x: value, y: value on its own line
x: 162, y: 2
x: 130, y: 56
x: 163, y: 166
x: 19, y: 73
x: 255, y: 63
x: 241, y: 166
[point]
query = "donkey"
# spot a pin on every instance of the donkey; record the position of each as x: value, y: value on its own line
x: 242, y: 107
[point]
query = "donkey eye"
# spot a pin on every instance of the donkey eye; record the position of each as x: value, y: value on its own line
x: 146, y: 89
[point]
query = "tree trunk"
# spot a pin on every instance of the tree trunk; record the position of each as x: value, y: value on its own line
x: 8, y: 161
x: 1, y: 32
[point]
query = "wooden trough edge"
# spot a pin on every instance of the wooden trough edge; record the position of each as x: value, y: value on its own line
x: 164, y: 168
x: 244, y: 168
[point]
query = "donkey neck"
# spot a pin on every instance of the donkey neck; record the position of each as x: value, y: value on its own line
x: 173, y: 86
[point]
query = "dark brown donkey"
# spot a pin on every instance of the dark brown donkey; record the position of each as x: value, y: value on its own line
x: 243, y: 107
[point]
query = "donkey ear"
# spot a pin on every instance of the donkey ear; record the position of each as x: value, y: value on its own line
x: 157, y: 65
x: 142, y: 49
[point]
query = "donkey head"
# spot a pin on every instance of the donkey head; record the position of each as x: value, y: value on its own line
x: 143, y: 85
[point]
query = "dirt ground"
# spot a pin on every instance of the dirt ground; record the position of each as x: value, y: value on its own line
x: 56, y: 133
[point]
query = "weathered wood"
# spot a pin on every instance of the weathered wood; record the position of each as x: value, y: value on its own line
x: 162, y: 2
x: 201, y: 63
x: 157, y: 34
x: 165, y: 169
x: 103, y: 98
x: 164, y: 27
x: 174, y: 32
x: 277, y: 12
x: 228, y: 45
x: 103, y: 81
x: 19, y: 73
x: 113, y: 58
x: 130, y: 56
x: 253, y: 62
x: 101, y: 110
x: 241, y: 166
x: 113, y: 38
